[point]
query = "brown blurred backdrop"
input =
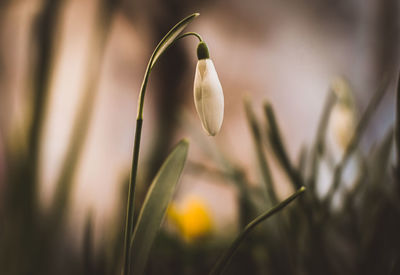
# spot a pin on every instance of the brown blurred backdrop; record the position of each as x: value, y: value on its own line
x: 95, y: 53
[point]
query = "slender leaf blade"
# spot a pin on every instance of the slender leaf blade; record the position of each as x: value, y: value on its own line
x: 380, y: 158
x: 155, y: 205
x: 169, y: 38
x: 278, y: 147
x: 261, y: 157
x: 397, y: 128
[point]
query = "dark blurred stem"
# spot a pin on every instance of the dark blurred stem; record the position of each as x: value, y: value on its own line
x: 262, y: 159
x: 64, y: 181
x: 362, y: 125
x: 45, y: 27
x: 88, y: 245
x: 301, y: 160
x: 131, y: 196
x: 319, y: 143
x: 130, y: 207
x: 278, y: 147
x: 397, y: 136
x: 44, y: 30
x: 397, y: 128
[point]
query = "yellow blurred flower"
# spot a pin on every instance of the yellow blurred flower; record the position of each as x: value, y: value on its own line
x: 193, y: 220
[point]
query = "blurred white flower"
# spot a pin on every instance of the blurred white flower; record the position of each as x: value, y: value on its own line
x: 208, y: 94
x: 343, y: 125
x: 343, y: 116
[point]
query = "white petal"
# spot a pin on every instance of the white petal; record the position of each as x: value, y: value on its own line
x: 208, y: 96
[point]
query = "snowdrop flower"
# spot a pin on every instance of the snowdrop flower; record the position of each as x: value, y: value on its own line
x: 208, y: 94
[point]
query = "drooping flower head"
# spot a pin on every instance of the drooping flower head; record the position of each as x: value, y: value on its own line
x: 208, y: 94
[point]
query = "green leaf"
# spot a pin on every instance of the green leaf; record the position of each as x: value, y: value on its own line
x: 155, y: 206
x: 379, y: 161
x: 278, y: 148
x: 318, y: 148
x: 261, y: 157
x: 397, y: 128
x: 223, y: 262
x: 169, y: 38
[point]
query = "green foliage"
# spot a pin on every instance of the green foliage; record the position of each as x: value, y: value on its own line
x: 223, y: 262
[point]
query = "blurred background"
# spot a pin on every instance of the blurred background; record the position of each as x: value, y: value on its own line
x: 70, y: 73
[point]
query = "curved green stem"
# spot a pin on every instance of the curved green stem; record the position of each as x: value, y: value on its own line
x: 191, y: 33
x: 171, y: 37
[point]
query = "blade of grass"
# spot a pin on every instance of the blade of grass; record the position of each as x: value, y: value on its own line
x: 361, y: 126
x: 88, y: 245
x: 302, y: 160
x: 278, y: 147
x: 397, y: 128
x: 380, y: 159
x: 224, y: 260
x: 155, y: 204
x: 261, y: 158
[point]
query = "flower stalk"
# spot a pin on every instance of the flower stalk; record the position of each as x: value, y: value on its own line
x: 168, y: 40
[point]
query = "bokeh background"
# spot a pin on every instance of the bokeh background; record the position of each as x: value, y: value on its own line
x: 70, y: 73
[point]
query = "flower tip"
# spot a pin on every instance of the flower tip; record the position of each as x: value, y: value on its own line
x: 211, y: 131
x: 185, y: 141
x: 212, y: 134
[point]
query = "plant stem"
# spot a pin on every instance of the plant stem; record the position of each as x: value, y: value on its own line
x: 164, y: 44
x: 130, y: 207
x: 278, y: 147
x: 190, y: 33
x: 318, y: 148
x: 131, y: 196
x: 397, y: 130
x: 261, y: 157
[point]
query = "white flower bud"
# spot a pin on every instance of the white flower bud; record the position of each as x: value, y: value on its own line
x: 208, y: 94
